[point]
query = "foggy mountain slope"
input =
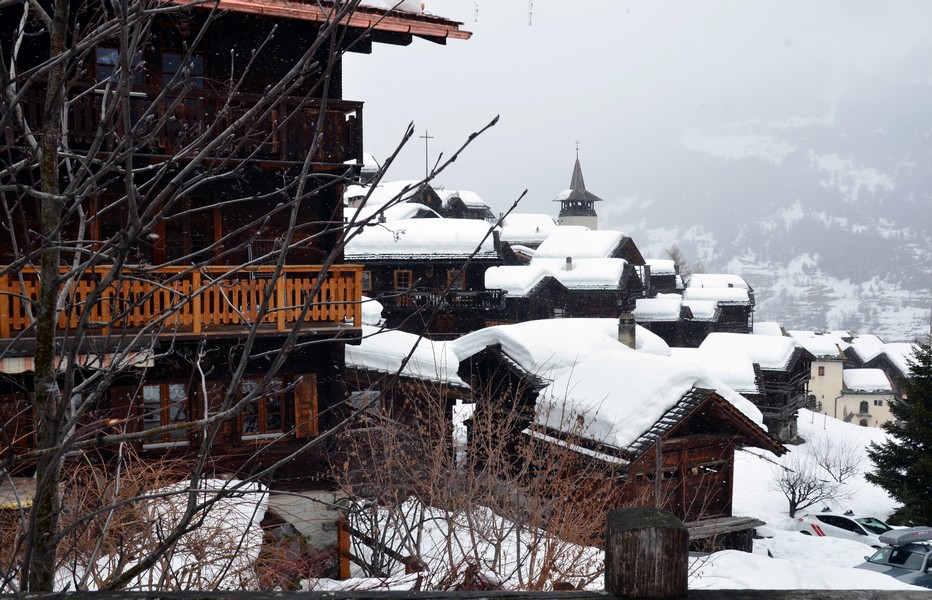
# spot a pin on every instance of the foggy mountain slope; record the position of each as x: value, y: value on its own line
x: 829, y: 218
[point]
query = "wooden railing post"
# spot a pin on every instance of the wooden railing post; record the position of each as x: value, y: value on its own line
x: 196, y: 313
x: 280, y: 301
x: 6, y: 298
x: 646, y: 554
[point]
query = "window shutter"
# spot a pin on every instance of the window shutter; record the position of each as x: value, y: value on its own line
x: 305, y: 406
x: 126, y: 410
x: 215, y: 393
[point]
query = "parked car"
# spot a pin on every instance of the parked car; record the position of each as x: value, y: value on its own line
x: 860, y: 528
x: 907, y: 557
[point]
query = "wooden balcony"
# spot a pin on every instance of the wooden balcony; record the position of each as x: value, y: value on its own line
x: 282, y: 134
x: 177, y: 301
x: 452, y: 300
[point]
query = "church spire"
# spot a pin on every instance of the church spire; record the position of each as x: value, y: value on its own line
x: 577, y: 204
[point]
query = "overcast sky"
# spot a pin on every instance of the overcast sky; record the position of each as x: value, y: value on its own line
x: 630, y: 80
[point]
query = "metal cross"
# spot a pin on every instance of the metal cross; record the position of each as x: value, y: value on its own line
x: 426, y: 139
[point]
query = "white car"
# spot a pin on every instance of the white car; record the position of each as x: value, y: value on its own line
x: 860, y: 528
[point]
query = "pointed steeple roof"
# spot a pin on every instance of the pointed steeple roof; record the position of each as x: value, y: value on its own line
x: 577, y: 190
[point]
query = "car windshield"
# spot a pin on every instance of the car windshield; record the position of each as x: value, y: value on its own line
x: 898, y: 557
x: 874, y: 525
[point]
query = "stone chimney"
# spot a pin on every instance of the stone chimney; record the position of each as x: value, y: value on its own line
x: 626, y: 332
x: 569, y: 264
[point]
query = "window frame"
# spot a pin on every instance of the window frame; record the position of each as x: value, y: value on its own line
x: 262, y: 414
x: 166, y: 439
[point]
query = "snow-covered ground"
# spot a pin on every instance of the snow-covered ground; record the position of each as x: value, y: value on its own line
x: 798, y: 561
x: 786, y: 559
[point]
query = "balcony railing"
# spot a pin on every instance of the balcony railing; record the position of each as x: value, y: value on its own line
x: 185, y: 300
x: 283, y: 132
x: 480, y: 300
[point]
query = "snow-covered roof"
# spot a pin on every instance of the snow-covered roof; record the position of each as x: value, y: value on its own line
x: 770, y: 352
x: 767, y: 328
x: 412, y: 6
x: 579, y: 243
x: 717, y: 294
x: 734, y: 368
x: 384, y: 192
x: 383, y: 350
x: 703, y: 310
x: 591, y: 273
x: 898, y: 353
x: 620, y: 394
x: 867, y: 346
x: 716, y: 280
x: 618, y: 391
x: 829, y: 347
x: 866, y: 380
x: 395, y: 212
x: 661, y: 266
x: 527, y: 227
x: 665, y: 307
x: 423, y: 238
x: 551, y: 345
x: 470, y: 199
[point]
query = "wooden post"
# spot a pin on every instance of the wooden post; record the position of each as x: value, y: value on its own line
x: 646, y: 554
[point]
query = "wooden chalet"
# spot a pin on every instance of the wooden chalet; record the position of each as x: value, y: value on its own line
x: 429, y: 273
x: 783, y: 371
x: 733, y: 295
x: 573, y: 273
x: 463, y: 204
x: 869, y: 351
x: 180, y: 371
x: 708, y: 303
x: 644, y: 404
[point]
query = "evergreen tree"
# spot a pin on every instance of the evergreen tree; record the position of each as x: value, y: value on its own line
x: 903, y: 463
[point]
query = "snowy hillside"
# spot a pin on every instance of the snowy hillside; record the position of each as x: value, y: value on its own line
x: 829, y: 217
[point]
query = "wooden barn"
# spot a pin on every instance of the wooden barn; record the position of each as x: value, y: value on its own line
x: 783, y: 371
x: 660, y: 426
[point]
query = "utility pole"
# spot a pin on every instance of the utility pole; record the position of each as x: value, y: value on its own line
x: 426, y: 139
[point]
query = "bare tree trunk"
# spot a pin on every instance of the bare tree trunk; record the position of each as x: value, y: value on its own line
x: 39, y: 573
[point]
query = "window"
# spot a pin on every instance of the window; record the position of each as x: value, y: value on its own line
x: 456, y: 279
x: 403, y: 284
x: 402, y: 281
x: 864, y: 407
x: 821, y: 371
x: 264, y: 415
x: 163, y: 405
x: 191, y: 231
x: 173, y: 61
x: 367, y: 281
x: 878, y: 402
x: 365, y: 399
x: 108, y: 62
x: 863, y: 423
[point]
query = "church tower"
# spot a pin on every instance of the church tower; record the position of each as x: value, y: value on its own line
x: 577, y: 206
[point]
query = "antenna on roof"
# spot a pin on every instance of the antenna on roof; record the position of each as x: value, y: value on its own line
x: 577, y: 149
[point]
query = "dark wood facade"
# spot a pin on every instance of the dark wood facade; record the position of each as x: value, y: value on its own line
x: 211, y: 267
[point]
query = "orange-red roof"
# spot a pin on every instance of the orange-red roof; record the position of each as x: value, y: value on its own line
x: 422, y: 25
